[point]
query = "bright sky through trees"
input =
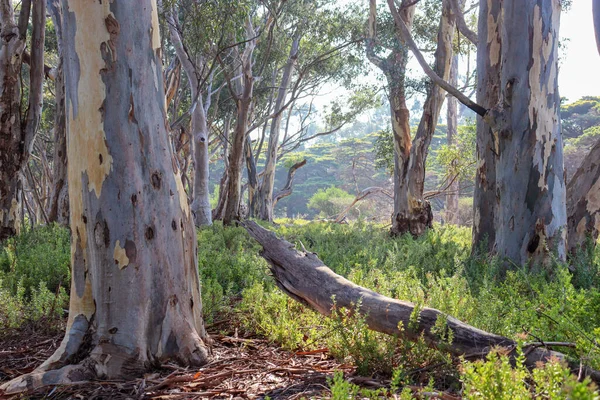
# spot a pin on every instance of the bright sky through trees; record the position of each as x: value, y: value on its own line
x: 580, y: 65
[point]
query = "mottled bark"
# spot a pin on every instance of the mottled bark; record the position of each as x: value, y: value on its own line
x: 242, y: 92
x: 199, y: 149
x: 583, y: 202
x: 452, y: 121
x: 264, y: 197
x: 488, y: 95
x: 135, y: 294
x: 58, y: 206
x: 531, y: 190
x: 394, y: 69
x: 304, y: 277
x: 412, y: 212
x: 17, y: 132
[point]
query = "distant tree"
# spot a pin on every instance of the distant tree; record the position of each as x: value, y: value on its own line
x: 17, y: 127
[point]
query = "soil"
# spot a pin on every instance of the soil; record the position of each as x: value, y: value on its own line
x: 241, y: 368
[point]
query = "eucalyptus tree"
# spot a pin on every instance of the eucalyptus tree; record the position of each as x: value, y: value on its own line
x: 17, y: 127
x: 58, y: 205
x: 135, y: 294
x: 322, y: 38
x: 197, y: 32
x: 530, y: 211
x: 238, y: 69
x: 412, y: 212
x: 393, y: 64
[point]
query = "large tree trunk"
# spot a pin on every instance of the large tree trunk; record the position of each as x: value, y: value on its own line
x: 264, y: 197
x: 303, y: 277
x: 452, y: 121
x: 11, y: 133
x: 412, y: 212
x: 531, y: 223
x: 488, y: 94
x: 58, y: 208
x: 135, y: 293
x: 583, y: 201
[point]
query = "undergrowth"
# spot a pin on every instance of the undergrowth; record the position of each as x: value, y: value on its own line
x: 436, y: 270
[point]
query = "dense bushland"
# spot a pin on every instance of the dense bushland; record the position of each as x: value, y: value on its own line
x: 436, y: 270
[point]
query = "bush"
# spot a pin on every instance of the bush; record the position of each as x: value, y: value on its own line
x: 228, y: 262
x: 330, y: 202
x: 39, y: 255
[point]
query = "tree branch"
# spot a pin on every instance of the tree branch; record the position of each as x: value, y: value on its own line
x: 405, y: 36
x: 462, y: 25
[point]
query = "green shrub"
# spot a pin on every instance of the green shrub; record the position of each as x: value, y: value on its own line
x: 228, y: 262
x: 39, y: 255
x: 495, y: 378
x: 17, y: 309
x: 330, y: 202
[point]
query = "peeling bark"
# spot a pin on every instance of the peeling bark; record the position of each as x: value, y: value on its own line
x: 394, y: 69
x: 412, y: 212
x: 488, y: 95
x: 135, y: 294
x: 58, y: 208
x: 583, y: 202
x: 303, y: 277
x: 531, y: 190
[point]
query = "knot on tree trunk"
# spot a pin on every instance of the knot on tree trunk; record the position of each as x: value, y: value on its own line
x: 415, y: 222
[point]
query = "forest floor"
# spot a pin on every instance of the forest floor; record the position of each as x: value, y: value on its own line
x: 240, y: 368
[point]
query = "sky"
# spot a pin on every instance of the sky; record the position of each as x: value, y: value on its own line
x: 579, y: 73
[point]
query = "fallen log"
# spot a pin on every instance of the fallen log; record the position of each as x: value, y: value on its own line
x: 304, y: 277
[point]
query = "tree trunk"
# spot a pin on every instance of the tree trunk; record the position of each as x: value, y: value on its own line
x: 488, y: 94
x: 242, y: 92
x: 303, y: 277
x: 412, y: 212
x: 583, y: 202
x: 201, y: 203
x: 394, y: 68
x: 264, y: 198
x: 531, y: 193
x: 452, y: 120
x: 58, y: 209
x: 236, y: 159
x: 201, y: 193
x: 11, y: 150
x: 135, y: 293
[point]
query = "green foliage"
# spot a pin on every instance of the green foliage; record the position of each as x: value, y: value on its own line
x: 351, y: 339
x: 18, y: 309
x: 458, y: 159
x: 495, y: 378
x: 331, y: 201
x: 39, y: 255
x: 228, y: 262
